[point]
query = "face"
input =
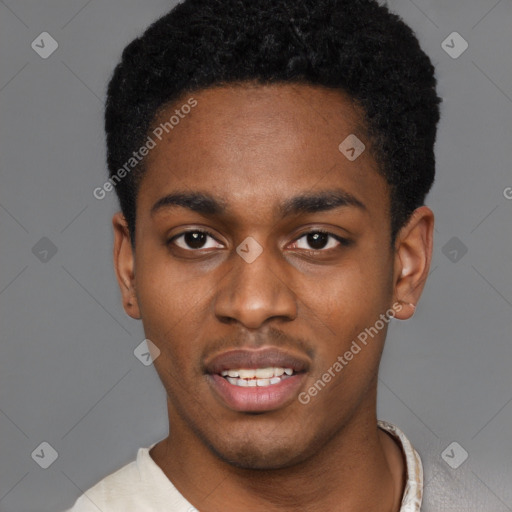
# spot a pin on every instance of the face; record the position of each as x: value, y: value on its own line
x: 260, y: 245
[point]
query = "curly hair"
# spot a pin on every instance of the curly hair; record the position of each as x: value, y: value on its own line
x: 357, y: 46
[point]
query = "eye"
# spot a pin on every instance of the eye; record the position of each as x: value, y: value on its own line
x: 319, y: 240
x: 194, y: 240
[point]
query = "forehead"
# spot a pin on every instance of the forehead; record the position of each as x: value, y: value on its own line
x: 254, y: 146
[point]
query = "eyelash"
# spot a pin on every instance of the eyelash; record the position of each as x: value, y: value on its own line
x: 344, y: 242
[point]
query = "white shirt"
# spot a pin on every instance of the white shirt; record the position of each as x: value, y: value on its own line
x: 141, y: 486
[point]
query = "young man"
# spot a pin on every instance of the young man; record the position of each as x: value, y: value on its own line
x: 271, y: 161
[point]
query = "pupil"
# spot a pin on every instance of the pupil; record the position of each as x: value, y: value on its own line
x: 317, y: 240
x: 195, y: 239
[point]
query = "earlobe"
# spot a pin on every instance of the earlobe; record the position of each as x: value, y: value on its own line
x: 124, y: 264
x: 413, y: 254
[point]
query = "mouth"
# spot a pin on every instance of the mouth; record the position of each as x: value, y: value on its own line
x: 261, y: 377
x: 256, y: 381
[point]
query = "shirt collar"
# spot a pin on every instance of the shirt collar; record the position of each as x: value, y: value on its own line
x: 413, y: 492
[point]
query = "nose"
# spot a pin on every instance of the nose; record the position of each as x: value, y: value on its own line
x: 252, y: 293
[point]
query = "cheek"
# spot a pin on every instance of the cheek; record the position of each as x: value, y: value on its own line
x: 349, y: 302
x: 353, y: 295
x: 171, y: 302
x: 166, y: 292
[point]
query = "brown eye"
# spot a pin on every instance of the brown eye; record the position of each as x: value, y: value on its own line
x: 317, y: 240
x: 320, y: 241
x: 194, y: 240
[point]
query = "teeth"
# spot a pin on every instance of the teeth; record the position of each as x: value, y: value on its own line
x: 260, y: 377
x: 253, y: 382
x: 246, y: 374
x: 259, y: 373
x: 264, y: 373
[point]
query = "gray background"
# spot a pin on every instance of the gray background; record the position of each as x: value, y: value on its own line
x: 68, y: 374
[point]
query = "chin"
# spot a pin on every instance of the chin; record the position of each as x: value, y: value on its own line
x: 259, y: 454
x: 258, y: 460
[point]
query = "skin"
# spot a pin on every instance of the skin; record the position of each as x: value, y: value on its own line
x: 254, y: 147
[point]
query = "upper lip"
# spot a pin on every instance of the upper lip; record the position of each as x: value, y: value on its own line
x: 252, y: 359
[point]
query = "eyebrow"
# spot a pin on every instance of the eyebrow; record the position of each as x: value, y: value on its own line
x: 322, y: 201
x: 196, y: 201
x: 311, y: 202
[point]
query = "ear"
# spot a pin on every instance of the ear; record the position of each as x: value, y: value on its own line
x: 413, y: 254
x: 124, y: 264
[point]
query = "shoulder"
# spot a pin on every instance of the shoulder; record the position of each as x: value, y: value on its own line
x: 115, y: 490
x: 413, y: 492
x: 445, y: 489
x: 140, y: 486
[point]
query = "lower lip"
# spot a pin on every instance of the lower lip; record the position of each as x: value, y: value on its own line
x: 257, y: 398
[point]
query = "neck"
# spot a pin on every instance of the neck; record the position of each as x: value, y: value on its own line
x: 359, y: 469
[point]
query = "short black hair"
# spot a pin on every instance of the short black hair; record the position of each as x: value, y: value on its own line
x: 357, y: 46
